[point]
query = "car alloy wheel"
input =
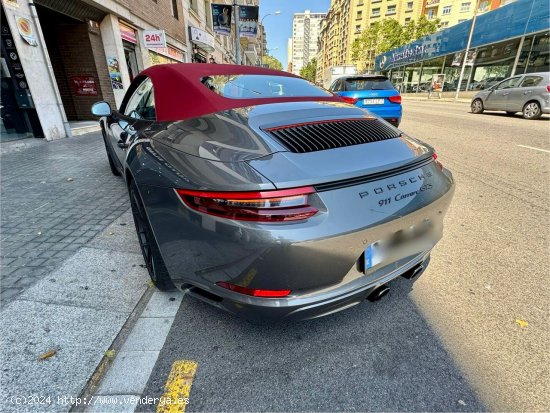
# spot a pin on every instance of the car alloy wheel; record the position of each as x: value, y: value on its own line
x: 531, y: 110
x: 477, y: 106
x: 149, y: 247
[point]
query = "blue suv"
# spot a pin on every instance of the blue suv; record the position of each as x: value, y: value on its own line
x: 372, y: 92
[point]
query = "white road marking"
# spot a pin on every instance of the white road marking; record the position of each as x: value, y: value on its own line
x: 535, y: 149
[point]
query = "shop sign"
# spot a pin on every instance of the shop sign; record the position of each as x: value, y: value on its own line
x: 153, y: 39
x: 413, y: 52
x: 24, y: 26
x: 83, y: 85
x: 457, y: 59
x: 202, y: 38
x: 471, y: 57
x: 248, y: 21
x: 221, y: 19
x: 438, y: 80
x: 114, y: 73
x: 175, y: 53
x: 127, y: 33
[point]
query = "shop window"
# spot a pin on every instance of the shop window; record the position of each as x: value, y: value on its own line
x: 446, y: 10
x: 465, y: 7
x: 539, y: 55
x: 530, y: 81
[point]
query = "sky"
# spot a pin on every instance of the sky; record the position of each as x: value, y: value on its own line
x: 279, y: 27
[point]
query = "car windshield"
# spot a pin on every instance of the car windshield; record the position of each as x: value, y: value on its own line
x: 368, y: 83
x: 261, y: 86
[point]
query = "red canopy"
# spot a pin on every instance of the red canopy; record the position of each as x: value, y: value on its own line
x: 179, y: 93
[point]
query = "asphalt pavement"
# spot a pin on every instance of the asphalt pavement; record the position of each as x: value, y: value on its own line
x: 472, y: 334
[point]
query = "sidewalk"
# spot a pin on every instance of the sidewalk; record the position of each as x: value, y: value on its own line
x: 71, y: 270
x: 424, y: 97
x: 56, y: 196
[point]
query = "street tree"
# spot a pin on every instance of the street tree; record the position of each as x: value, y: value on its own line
x: 308, y: 71
x: 272, y: 62
x: 388, y: 34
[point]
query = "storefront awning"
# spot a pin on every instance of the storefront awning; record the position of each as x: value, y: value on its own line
x: 202, y: 39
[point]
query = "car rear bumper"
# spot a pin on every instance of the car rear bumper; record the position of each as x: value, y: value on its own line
x: 321, y: 304
x: 318, y: 259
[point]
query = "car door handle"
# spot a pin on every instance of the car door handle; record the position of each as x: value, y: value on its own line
x: 506, y: 94
x: 527, y: 92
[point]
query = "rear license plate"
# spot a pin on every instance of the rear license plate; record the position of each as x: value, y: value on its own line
x: 373, y: 256
x: 373, y: 101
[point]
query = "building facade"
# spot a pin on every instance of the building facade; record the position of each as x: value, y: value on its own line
x: 521, y: 45
x: 347, y: 19
x: 305, y: 35
x: 452, y: 12
x: 59, y: 57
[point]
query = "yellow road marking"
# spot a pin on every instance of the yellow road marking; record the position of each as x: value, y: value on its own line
x: 178, y: 387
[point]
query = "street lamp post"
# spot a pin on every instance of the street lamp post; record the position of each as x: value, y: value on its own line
x: 262, y: 51
x: 467, y: 50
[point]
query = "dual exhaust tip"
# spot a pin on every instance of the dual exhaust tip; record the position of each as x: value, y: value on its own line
x: 383, y: 290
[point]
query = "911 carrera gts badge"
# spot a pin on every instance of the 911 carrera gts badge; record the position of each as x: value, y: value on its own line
x: 384, y: 189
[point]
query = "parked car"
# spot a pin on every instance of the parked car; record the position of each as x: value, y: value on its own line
x: 271, y: 203
x: 528, y: 94
x: 375, y: 93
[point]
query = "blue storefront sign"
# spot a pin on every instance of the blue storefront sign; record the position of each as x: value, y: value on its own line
x: 514, y: 20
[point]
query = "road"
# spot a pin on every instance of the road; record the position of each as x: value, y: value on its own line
x: 472, y: 335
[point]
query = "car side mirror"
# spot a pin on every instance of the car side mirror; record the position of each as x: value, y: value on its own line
x: 101, y: 109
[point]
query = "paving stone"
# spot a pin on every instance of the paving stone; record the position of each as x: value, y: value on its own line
x: 84, y: 280
x: 57, y: 209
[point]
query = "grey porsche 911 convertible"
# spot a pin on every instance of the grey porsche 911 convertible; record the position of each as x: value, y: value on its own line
x: 260, y: 193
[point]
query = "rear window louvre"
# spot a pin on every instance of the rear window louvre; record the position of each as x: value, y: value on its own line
x: 319, y: 136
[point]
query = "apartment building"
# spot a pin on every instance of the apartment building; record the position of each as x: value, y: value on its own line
x: 346, y: 19
x: 59, y: 57
x: 452, y: 12
x: 305, y: 35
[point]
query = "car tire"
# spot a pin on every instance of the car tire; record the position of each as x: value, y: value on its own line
x: 510, y: 113
x: 477, y: 106
x: 531, y: 110
x: 148, y: 244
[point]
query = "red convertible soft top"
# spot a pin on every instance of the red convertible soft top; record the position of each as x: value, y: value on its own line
x: 179, y: 93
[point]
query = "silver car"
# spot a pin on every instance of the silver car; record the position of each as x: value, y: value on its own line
x: 266, y: 196
x: 529, y: 94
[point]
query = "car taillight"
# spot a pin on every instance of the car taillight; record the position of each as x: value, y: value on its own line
x: 349, y: 99
x: 395, y: 99
x: 439, y: 164
x: 253, y: 291
x: 264, y: 206
x: 548, y: 88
